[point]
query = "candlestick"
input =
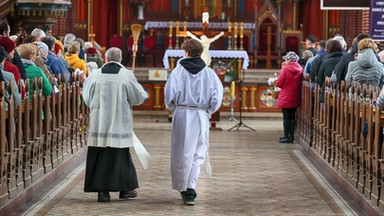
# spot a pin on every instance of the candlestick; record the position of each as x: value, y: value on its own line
x: 235, y: 29
x: 170, y: 28
x: 185, y: 26
x: 170, y: 34
x: 229, y: 27
x: 241, y: 29
x: 177, y: 28
x: 232, y: 89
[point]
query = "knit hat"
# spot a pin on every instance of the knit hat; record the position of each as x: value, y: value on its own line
x: 91, y: 51
x: 7, y: 44
x: 43, y: 47
x: 59, y: 43
x: 291, y: 56
x: 58, y: 48
x: 3, y: 54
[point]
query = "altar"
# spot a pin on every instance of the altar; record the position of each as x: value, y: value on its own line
x: 170, y: 56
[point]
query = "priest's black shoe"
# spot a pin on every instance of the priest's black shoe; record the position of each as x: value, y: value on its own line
x: 127, y: 194
x: 286, y: 140
x: 103, y: 197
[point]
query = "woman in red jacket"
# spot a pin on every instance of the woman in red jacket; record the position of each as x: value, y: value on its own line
x: 289, y: 81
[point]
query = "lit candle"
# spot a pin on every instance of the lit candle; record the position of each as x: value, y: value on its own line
x: 229, y: 26
x: 232, y: 89
x: 170, y: 28
x: 241, y: 29
x: 235, y: 29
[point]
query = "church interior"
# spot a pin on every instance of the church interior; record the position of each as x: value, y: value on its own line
x: 249, y: 39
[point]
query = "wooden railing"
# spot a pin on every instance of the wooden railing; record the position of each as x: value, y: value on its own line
x: 347, y: 133
x: 38, y: 135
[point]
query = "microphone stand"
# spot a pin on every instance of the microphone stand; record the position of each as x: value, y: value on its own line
x: 240, y: 124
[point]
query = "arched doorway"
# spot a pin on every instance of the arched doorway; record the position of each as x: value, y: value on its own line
x: 267, y: 37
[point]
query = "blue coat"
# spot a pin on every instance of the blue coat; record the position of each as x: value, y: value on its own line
x: 57, y: 66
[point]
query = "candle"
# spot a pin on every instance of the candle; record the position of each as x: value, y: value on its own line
x: 177, y: 28
x: 232, y: 89
x: 170, y: 28
x: 241, y: 29
x: 229, y: 26
x: 235, y: 29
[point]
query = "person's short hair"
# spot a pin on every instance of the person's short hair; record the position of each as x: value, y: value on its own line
x: 333, y: 46
x: 81, y: 41
x: 74, y: 47
x: 38, y: 33
x: 3, y: 26
x: 193, y: 47
x: 307, y: 54
x: 50, y: 41
x: 29, y: 39
x: 361, y: 37
x: 322, y: 44
x: 68, y: 38
x: 87, y: 44
x: 311, y: 38
x: 25, y: 50
x: 341, y: 41
x: 367, y: 43
x: 114, y: 54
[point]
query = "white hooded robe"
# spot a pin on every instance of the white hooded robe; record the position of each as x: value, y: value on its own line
x: 193, y: 98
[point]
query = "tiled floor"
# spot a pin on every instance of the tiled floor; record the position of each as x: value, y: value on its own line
x: 252, y: 174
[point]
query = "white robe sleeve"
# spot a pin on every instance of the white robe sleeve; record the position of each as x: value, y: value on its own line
x: 170, y: 90
x: 136, y: 92
x: 217, y: 94
x: 87, y: 89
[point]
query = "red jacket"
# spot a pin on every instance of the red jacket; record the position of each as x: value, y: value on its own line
x: 290, y: 81
x: 9, y: 67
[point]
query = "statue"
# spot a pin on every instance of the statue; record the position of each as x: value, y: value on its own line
x: 206, y: 42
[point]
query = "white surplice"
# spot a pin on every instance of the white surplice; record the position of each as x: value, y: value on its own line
x: 110, y: 98
x: 193, y: 98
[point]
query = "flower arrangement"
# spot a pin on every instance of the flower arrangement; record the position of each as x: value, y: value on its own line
x: 140, y: 2
x: 226, y: 70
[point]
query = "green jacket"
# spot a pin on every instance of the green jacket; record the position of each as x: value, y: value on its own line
x: 36, y: 72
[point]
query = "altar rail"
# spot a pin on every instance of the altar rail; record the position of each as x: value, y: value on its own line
x: 347, y: 133
x: 38, y: 135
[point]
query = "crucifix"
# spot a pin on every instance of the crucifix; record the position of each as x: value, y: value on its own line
x: 205, y: 37
x: 91, y: 35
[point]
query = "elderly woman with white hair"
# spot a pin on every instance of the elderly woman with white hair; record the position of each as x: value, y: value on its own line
x: 38, y: 34
x: 110, y: 92
x: 289, y: 99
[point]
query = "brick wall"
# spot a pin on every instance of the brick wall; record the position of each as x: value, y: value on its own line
x: 66, y: 24
x: 352, y: 23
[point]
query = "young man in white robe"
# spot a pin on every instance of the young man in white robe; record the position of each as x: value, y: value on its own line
x: 110, y: 92
x: 193, y: 92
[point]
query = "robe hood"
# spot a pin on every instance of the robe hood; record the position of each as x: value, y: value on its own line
x: 366, y: 58
x: 194, y: 64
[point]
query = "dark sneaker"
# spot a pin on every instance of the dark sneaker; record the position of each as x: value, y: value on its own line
x: 188, y: 199
x: 129, y: 194
x: 103, y: 197
x: 286, y: 140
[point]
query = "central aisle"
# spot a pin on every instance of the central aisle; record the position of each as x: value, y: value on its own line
x: 252, y: 174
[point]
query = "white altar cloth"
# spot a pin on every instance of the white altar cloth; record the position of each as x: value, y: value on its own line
x: 233, y: 54
x: 196, y: 25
